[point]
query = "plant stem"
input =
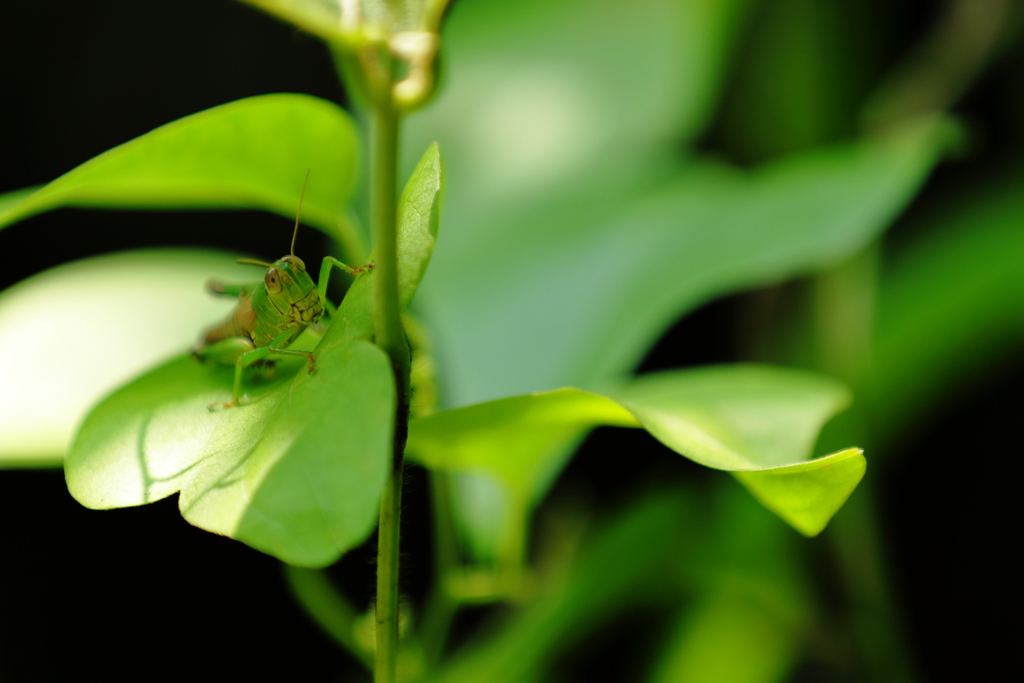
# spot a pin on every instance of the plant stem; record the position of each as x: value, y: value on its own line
x: 844, y: 310
x: 391, y: 338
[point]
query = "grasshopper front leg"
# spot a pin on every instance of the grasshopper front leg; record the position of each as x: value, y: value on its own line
x: 325, y: 273
x: 278, y: 347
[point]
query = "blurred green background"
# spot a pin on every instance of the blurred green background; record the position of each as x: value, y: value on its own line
x: 913, y: 579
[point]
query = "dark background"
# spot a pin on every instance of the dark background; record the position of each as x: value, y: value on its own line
x: 137, y: 591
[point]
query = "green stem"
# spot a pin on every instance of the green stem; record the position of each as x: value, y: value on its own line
x: 512, y: 550
x: 844, y: 311
x: 391, y: 338
x: 386, y: 652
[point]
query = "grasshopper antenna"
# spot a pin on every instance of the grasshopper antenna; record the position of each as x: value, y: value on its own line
x: 295, y: 233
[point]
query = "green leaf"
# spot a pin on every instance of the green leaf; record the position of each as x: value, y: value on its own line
x: 758, y: 421
x: 577, y: 232
x: 511, y: 438
x: 419, y: 210
x: 541, y: 95
x: 737, y: 417
x: 297, y: 472
x: 72, y: 334
x: 583, y: 296
x: 808, y: 494
x: 252, y: 153
x: 419, y: 215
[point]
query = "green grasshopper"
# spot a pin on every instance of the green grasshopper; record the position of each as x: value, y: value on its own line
x: 271, y: 314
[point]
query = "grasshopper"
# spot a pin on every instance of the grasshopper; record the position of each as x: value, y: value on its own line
x: 271, y: 314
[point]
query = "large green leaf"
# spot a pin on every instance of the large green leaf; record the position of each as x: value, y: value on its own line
x: 252, y: 153
x: 72, y: 334
x: 544, y: 98
x: 575, y: 298
x: 576, y: 232
x: 758, y: 421
x: 296, y: 472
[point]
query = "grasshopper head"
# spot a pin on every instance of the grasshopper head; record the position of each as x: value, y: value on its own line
x: 288, y: 282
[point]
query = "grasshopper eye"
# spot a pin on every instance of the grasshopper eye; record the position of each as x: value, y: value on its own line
x: 295, y: 261
x: 273, y: 281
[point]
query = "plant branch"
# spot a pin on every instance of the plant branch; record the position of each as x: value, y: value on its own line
x: 391, y: 338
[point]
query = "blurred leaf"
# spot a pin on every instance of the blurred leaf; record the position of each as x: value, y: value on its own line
x: 799, y: 78
x: 9, y: 199
x: 73, y: 333
x: 758, y: 421
x: 635, y: 556
x: 808, y: 494
x: 573, y: 239
x: 950, y: 305
x: 579, y: 302
x: 737, y: 417
x: 322, y: 18
x: 713, y: 561
x: 509, y: 438
x: 252, y: 153
x: 751, y: 611
x: 540, y: 96
x: 296, y: 472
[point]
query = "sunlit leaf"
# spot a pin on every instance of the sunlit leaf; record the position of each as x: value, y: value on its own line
x: 297, y: 472
x: 252, y: 153
x: 72, y: 334
x: 758, y: 421
x: 738, y: 418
